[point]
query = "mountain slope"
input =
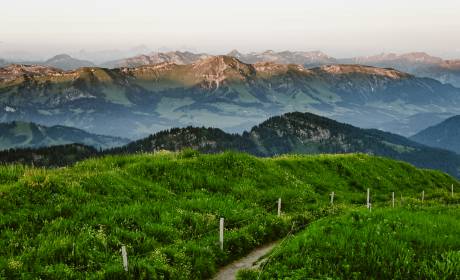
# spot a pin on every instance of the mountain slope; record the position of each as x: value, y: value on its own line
x: 219, y: 91
x: 66, y: 62
x: 300, y: 133
x: 445, y: 135
x: 31, y: 135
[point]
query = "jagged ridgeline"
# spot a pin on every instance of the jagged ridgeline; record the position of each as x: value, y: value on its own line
x: 165, y: 208
x: 299, y: 133
x: 216, y: 91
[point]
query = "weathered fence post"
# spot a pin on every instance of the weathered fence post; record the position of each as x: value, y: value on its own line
x: 452, y: 190
x: 279, y: 207
x: 221, y: 233
x: 332, y: 198
x: 124, y: 255
x: 393, y: 199
x: 423, y: 196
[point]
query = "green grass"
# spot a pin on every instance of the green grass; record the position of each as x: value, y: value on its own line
x: 400, y: 243
x: 70, y: 223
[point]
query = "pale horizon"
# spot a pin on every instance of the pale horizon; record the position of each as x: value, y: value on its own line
x: 338, y: 28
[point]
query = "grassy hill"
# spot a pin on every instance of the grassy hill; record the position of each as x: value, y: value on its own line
x: 71, y: 222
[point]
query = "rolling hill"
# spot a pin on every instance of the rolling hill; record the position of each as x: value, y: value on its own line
x: 31, y: 135
x: 219, y: 92
x: 445, y: 135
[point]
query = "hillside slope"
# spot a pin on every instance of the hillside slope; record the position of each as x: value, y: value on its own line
x: 445, y: 135
x: 165, y: 208
x: 31, y: 135
x: 220, y: 92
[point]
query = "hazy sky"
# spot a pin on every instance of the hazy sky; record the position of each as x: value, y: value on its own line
x: 339, y: 27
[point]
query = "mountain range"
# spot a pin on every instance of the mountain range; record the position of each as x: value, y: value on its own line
x: 30, y: 135
x: 176, y: 57
x: 291, y: 133
x: 445, y: 135
x: 416, y: 63
x: 217, y: 91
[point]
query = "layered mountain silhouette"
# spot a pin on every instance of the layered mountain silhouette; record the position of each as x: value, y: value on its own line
x: 445, y: 135
x: 31, y: 135
x: 217, y: 91
x: 291, y: 133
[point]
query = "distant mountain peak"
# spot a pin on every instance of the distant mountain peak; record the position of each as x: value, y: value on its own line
x: 235, y: 53
x: 66, y: 62
x: 268, y: 52
x: 444, y: 135
x: 217, y: 69
x: 59, y: 57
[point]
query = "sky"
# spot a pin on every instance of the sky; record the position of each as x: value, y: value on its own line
x: 341, y: 28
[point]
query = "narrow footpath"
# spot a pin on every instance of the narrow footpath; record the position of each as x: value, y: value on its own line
x: 249, y: 261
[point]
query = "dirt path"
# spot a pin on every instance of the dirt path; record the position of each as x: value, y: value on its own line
x: 249, y: 261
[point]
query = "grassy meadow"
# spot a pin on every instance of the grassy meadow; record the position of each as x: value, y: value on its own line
x: 70, y: 223
x: 400, y: 243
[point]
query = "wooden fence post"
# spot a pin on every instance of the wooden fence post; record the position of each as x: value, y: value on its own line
x: 452, y: 190
x: 279, y: 207
x: 393, y: 199
x: 221, y: 233
x: 124, y: 255
x: 423, y: 196
x: 332, y: 198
